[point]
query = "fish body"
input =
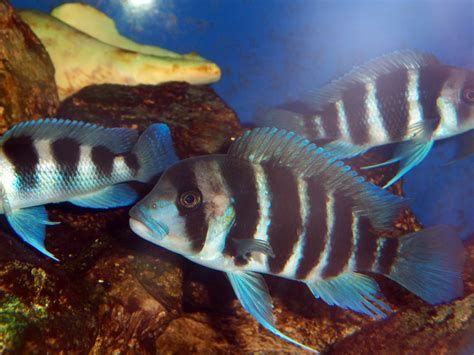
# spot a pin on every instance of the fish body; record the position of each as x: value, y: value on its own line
x: 50, y: 161
x: 279, y: 205
x: 406, y: 97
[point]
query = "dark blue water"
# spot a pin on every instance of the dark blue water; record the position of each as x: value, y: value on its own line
x: 271, y: 51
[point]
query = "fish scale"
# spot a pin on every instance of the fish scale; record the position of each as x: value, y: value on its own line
x: 407, y: 97
x: 250, y: 214
x: 51, y: 161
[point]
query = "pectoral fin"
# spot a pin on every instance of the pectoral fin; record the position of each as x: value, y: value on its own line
x: 30, y: 225
x: 113, y: 196
x: 409, y: 154
x: 351, y: 291
x: 247, y: 246
x: 252, y: 292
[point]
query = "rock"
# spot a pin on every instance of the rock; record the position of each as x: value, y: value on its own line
x: 112, y: 292
x: 95, y: 53
x: 200, y: 122
x: 27, y: 87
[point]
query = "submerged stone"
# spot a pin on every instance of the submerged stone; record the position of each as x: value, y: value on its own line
x: 27, y: 87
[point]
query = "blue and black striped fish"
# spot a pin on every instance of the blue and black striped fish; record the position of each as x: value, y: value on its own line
x: 406, y: 97
x: 48, y: 161
x: 277, y: 204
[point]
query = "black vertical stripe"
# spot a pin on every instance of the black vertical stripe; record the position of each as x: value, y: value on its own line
x: 183, y: 178
x: 432, y: 79
x: 387, y: 255
x: 103, y: 159
x: 463, y: 109
x: 286, y: 222
x: 366, y: 249
x: 355, y: 109
x: 340, y: 239
x: 22, y: 154
x: 239, y: 177
x: 67, y: 152
x: 132, y: 163
x: 316, y: 229
x: 392, y: 101
x: 330, y: 121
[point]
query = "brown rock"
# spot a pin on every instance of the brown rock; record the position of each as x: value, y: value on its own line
x: 132, y: 290
x: 113, y: 292
x: 27, y: 87
x: 200, y: 122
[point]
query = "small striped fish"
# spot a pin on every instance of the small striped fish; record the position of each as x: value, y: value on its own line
x: 49, y: 161
x: 406, y: 97
x: 279, y: 205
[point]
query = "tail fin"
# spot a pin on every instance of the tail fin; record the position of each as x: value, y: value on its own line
x: 281, y: 118
x: 430, y: 264
x: 154, y: 151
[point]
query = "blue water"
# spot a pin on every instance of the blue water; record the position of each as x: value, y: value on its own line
x: 272, y: 51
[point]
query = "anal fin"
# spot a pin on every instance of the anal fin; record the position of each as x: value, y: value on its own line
x: 252, y: 292
x: 409, y: 154
x: 113, y: 196
x: 30, y: 224
x: 353, y: 291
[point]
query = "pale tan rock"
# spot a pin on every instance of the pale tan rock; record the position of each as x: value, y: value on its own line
x: 96, y: 24
x: 81, y: 60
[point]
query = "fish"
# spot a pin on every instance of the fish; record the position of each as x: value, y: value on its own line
x: 407, y: 98
x: 55, y: 160
x: 278, y: 204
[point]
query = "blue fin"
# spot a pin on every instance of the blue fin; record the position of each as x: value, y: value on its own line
x: 351, y: 291
x: 344, y: 150
x: 155, y: 151
x: 245, y: 246
x: 252, y: 292
x: 118, y: 140
x: 410, y: 154
x: 282, y: 148
x: 30, y: 224
x: 113, y: 196
x: 430, y: 264
x: 465, y: 146
x: 385, y: 64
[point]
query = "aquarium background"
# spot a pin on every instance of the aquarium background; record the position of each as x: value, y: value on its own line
x: 271, y: 51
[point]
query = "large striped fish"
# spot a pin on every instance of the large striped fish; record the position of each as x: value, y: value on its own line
x: 406, y: 97
x: 48, y: 161
x: 277, y: 204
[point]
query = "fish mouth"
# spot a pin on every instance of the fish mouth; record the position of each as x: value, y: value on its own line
x: 146, y: 228
x: 141, y: 229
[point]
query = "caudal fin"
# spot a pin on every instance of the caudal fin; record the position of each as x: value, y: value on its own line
x: 154, y: 151
x: 430, y: 264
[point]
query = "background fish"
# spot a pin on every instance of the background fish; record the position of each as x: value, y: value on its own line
x: 49, y: 161
x: 404, y: 97
x: 277, y: 204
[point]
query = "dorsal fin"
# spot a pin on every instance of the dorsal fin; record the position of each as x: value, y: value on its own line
x: 384, y: 64
x: 287, y: 149
x: 118, y: 140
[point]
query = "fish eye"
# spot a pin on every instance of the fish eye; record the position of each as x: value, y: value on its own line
x: 190, y: 199
x: 154, y: 206
x: 468, y: 95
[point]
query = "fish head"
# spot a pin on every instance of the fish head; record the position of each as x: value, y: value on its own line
x: 188, y: 207
x: 458, y: 94
x: 466, y: 105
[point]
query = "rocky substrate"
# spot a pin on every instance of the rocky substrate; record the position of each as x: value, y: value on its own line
x: 114, y: 292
